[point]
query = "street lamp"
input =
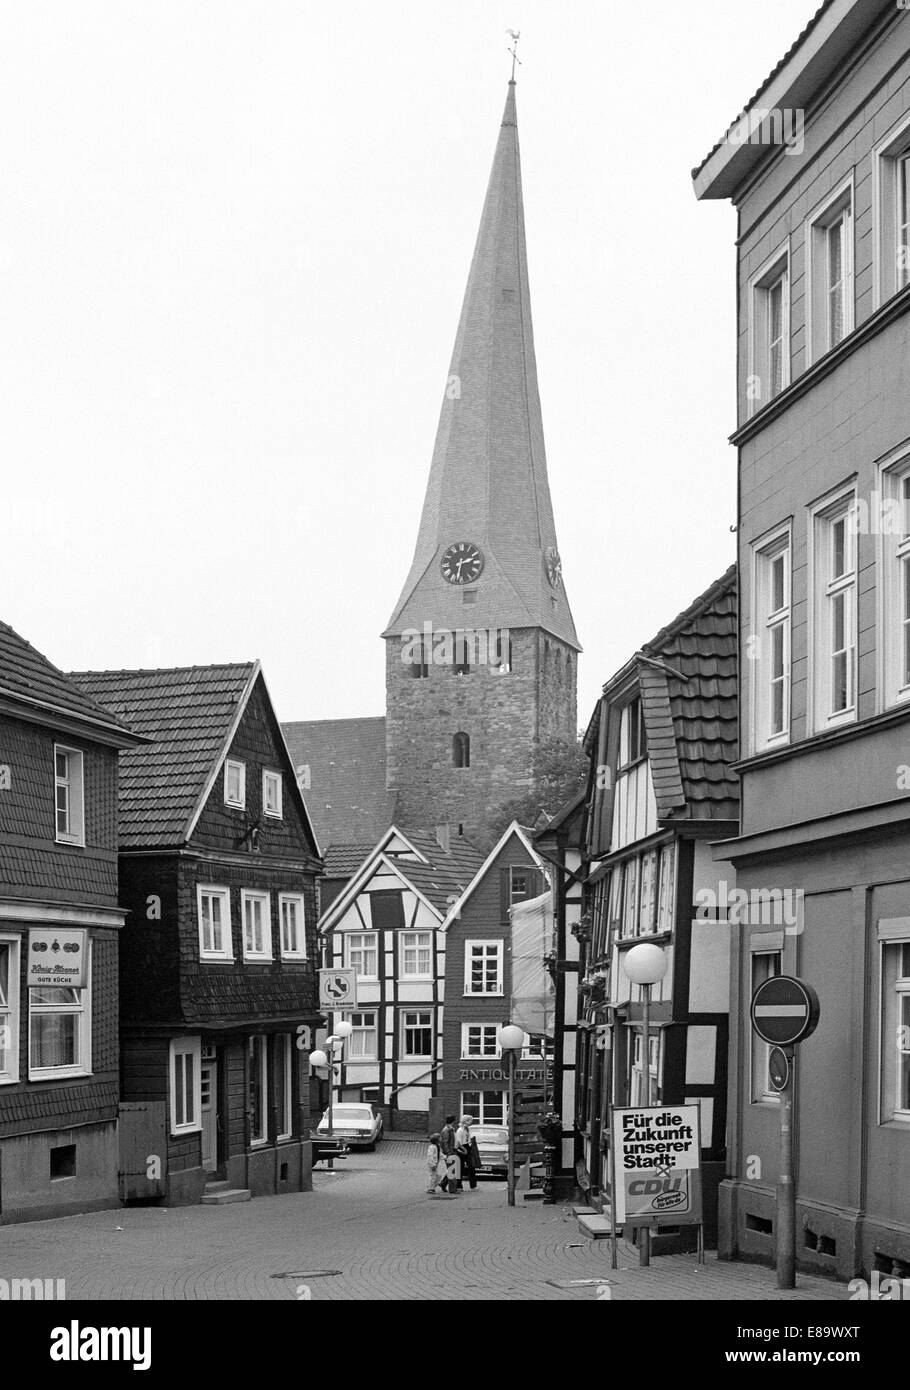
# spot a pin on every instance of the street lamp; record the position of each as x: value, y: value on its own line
x: 645, y: 965
x: 511, y: 1039
x: 335, y: 1042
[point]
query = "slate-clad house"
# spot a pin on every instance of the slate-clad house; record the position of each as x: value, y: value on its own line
x: 479, y: 985
x: 387, y: 925
x: 59, y: 1083
x: 661, y: 743
x: 217, y: 870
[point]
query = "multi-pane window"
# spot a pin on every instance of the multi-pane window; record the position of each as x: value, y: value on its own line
x: 648, y: 892
x: 645, y: 1090
x: 364, y: 1041
x: 830, y: 242
x: 283, y: 1085
x: 272, y: 794
x: 292, y: 926
x: 834, y: 668
x: 479, y: 1040
x: 764, y: 965
x: 259, y: 1088
x: 486, y: 1107
x: 770, y: 344
x: 68, y: 791
x: 214, y: 908
x: 483, y: 967
x: 361, y: 954
x: 632, y: 745
x: 57, y: 1032
x: 417, y: 1033
x: 416, y: 948
x: 903, y: 221
x: 9, y: 1009
x: 185, y: 1085
x: 770, y: 663
x: 537, y: 1045
x: 235, y: 783
x: 257, y: 926
x: 895, y: 1030
x: 893, y: 212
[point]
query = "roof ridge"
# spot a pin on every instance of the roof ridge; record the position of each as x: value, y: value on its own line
x: 727, y: 581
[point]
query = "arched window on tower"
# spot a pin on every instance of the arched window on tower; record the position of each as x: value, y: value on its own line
x: 461, y: 750
x: 420, y: 663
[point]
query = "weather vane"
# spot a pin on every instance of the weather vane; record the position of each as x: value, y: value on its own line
x: 514, y: 35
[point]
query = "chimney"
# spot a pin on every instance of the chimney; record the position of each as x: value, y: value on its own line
x: 442, y: 836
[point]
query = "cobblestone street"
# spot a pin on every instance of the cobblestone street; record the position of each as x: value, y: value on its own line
x: 366, y: 1232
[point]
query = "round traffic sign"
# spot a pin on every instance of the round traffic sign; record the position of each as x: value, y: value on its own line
x: 778, y: 1068
x: 784, y: 1010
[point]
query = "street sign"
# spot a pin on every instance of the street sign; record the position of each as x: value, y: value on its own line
x: 778, y: 1068
x: 56, y: 958
x: 337, y: 989
x: 784, y: 1010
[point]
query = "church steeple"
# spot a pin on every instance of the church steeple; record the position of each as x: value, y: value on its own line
x: 488, y: 478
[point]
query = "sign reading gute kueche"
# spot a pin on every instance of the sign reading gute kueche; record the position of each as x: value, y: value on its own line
x: 56, y: 958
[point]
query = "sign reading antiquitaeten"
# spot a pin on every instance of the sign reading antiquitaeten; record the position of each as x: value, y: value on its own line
x: 56, y: 958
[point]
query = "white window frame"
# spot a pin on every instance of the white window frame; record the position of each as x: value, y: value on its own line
x: 469, y: 1107
x: 768, y: 619
x: 349, y: 950
x: 257, y: 1140
x: 249, y: 897
x: 296, y: 901
x: 428, y: 1027
x: 362, y: 1030
x: 499, y: 950
x: 774, y: 271
x: 409, y: 941
x: 817, y: 243
x: 632, y: 750
x: 224, y: 894
x: 239, y: 801
x: 185, y: 1047
x: 824, y: 587
x: 890, y: 1110
x: 759, y: 1051
x: 636, y: 1072
x: 888, y: 156
x: 285, y: 1095
x: 482, y: 1055
x: 893, y: 568
x: 267, y: 776
x: 74, y: 784
x: 83, y: 1011
x: 9, y: 1014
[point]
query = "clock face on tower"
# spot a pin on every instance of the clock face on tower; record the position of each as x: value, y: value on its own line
x: 554, y: 566
x: 462, y: 563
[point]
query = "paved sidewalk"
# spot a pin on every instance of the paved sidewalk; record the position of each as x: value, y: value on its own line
x: 366, y: 1232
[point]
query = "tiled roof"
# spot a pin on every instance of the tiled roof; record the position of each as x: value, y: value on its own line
x: 28, y: 676
x: 188, y: 712
x: 801, y: 38
x: 342, y: 861
x: 347, y: 797
x: 445, y: 875
x: 698, y: 650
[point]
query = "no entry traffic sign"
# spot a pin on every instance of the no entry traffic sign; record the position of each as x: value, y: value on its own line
x: 784, y: 1010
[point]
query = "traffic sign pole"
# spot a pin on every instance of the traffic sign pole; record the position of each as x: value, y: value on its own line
x: 786, y: 1186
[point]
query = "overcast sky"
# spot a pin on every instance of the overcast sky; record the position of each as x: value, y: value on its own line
x: 234, y: 240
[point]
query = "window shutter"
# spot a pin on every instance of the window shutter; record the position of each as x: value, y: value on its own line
x: 505, y: 893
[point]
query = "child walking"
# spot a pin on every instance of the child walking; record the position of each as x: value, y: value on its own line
x: 437, y: 1174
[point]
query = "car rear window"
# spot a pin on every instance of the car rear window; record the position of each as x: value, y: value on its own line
x: 352, y: 1115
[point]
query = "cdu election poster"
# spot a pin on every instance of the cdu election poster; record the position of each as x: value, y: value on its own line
x: 656, y: 1155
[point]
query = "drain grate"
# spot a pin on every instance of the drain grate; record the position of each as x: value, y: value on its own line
x: 306, y: 1274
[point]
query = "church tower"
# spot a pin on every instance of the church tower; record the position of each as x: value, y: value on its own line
x: 481, y: 651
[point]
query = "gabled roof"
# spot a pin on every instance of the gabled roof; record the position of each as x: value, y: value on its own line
x: 515, y: 829
x: 438, y: 877
x: 190, y: 714
x: 27, y: 678
x: 347, y: 795
x: 488, y: 476
x: 828, y: 41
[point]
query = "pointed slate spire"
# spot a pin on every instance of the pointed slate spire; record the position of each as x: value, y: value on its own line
x: 488, y: 478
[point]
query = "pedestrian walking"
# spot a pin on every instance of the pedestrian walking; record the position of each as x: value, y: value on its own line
x: 437, y: 1174
x: 453, y: 1163
x: 466, y: 1148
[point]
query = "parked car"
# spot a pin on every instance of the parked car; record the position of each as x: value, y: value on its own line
x: 493, y: 1147
x: 355, y: 1123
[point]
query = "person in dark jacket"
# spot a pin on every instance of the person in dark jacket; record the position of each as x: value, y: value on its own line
x: 453, y: 1163
x: 466, y: 1149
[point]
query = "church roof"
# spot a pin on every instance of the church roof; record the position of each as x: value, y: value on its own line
x: 346, y: 796
x: 488, y: 477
